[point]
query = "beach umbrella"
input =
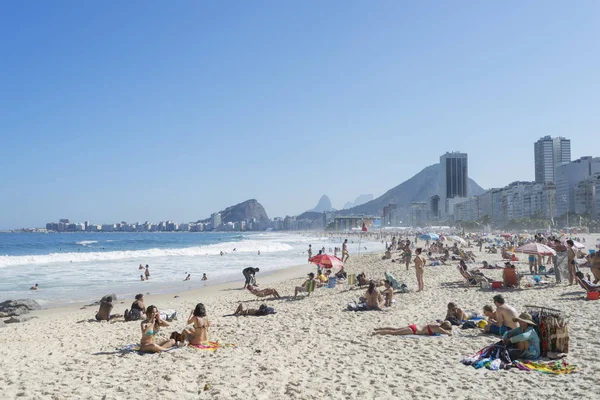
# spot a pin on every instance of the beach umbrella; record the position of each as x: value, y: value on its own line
x: 457, y: 239
x: 327, y: 261
x: 576, y: 245
x: 429, y: 236
x: 537, y: 249
x: 506, y: 235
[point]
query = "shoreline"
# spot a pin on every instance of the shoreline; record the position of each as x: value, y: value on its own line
x: 214, y: 290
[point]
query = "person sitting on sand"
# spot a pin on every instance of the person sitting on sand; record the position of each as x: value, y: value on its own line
x: 373, y: 298
x: 493, y: 249
x: 445, y: 328
x: 198, y: 333
x: 321, y: 277
x: 504, y: 317
x: 490, y: 314
x: 263, y: 292
x: 261, y: 311
x: 137, y: 309
x: 150, y: 327
x: 34, y: 287
x: 304, y: 287
x: 595, y: 269
x: 341, y: 274
x: 388, y: 293
x: 106, y: 307
x: 524, y: 340
x: 387, y: 255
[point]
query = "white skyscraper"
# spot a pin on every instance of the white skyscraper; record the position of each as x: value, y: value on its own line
x: 549, y: 153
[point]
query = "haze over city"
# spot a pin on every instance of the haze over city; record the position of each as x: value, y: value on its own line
x: 130, y: 112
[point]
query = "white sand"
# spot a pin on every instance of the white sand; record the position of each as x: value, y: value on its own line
x: 310, y: 349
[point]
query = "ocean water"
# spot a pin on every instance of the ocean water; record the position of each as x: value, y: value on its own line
x: 73, y: 267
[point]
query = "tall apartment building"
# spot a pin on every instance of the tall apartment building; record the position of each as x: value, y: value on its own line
x: 216, y: 220
x: 455, y: 182
x: 568, y: 176
x: 549, y: 153
x: 587, y: 196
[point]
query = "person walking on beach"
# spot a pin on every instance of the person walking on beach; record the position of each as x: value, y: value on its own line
x: 147, y: 273
x: 249, y: 273
x: 419, y: 264
x: 407, y: 253
x: 309, y: 252
x: 571, y: 255
x: 345, y: 251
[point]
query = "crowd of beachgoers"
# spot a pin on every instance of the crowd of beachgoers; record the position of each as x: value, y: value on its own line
x: 492, y: 288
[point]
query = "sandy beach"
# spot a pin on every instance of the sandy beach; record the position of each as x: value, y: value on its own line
x: 310, y: 349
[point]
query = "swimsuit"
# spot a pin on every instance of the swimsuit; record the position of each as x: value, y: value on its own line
x: 151, y: 333
x: 413, y: 328
x: 430, y: 331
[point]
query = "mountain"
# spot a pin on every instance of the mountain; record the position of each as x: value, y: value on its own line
x: 247, y: 210
x: 360, y: 200
x: 323, y: 205
x: 425, y: 184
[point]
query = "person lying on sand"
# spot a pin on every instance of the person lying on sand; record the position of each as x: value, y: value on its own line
x: 263, y: 292
x: 262, y: 310
x: 445, y: 328
x: 198, y: 333
x: 591, y: 285
x: 363, y: 281
x: 458, y: 313
x: 150, y: 327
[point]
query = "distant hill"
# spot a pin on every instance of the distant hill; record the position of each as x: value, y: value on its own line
x: 244, y: 211
x: 310, y: 215
x: 323, y: 205
x: 425, y: 184
x: 360, y: 200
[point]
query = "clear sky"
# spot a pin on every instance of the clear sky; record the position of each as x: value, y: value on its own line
x: 154, y: 110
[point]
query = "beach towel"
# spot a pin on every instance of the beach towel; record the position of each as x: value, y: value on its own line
x: 212, y: 346
x: 135, y: 348
x: 559, y: 367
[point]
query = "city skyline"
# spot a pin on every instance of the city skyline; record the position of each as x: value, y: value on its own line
x: 125, y: 112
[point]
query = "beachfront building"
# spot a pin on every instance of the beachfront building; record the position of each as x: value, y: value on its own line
x: 433, y: 208
x: 215, y: 218
x: 549, y: 153
x: 390, y: 215
x: 587, y: 196
x: 455, y: 180
x: 467, y: 210
x: 568, y: 176
x: 418, y: 214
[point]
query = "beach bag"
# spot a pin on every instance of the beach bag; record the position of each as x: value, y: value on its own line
x: 264, y: 310
x: 453, y: 320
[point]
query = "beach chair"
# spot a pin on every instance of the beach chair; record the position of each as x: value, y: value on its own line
x: 588, y: 288
x: 351, y: 279
x: 472, y: 280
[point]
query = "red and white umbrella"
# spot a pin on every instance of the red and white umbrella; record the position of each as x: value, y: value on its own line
x: 327, y: 261
x: 576, y: 245
x: 537, y: 249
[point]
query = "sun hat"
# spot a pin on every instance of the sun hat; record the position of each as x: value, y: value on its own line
x: 525, y: 317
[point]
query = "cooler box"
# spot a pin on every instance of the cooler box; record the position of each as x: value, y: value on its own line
x: 497, y: 285
x: 332, y: 282
x: 593, y: 295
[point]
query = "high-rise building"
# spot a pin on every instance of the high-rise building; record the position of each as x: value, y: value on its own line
x: 549, y: 153
x: 455, y: 179
x: 216, y: 220
x: 568, y: 176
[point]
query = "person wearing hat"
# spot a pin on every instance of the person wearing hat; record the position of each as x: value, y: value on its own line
x: 524, y: 340
x: 306, y: 285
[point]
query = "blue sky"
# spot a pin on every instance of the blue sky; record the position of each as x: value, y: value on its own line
x: 152, y: 110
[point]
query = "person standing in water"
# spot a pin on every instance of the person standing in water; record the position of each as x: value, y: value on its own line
x: 147, y: 273
x: 309, y: 252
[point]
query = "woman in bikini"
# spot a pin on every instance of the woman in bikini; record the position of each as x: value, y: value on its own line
x: 199, y: 332
x: 374, y: 299
x: 263, y: 292
x: 150, y: 327
x: 428, y: 330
